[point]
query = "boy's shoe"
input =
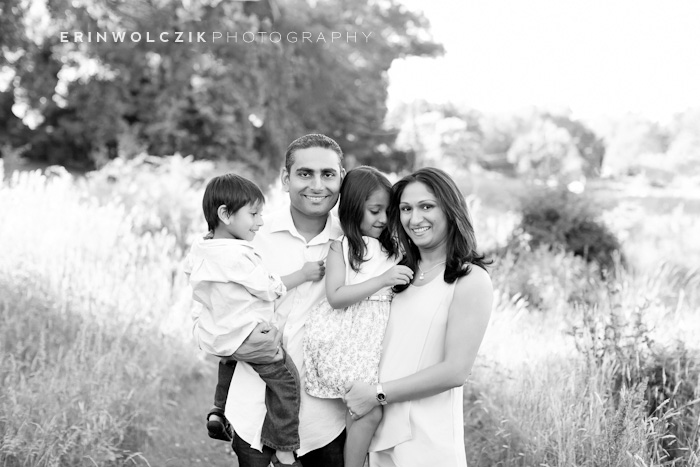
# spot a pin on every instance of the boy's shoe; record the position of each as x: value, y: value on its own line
x: 276, y: 462
x: 219, y: 429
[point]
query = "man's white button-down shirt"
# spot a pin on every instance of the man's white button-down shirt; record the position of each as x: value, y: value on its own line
x: 284, y: 251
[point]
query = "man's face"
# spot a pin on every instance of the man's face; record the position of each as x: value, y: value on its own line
x: 313, y: 181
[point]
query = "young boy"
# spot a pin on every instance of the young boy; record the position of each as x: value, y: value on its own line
x: 237, y: 293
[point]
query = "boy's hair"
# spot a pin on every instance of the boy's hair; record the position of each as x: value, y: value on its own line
x: 311, y: 141
x: 231, y: 190
x: 358, y: 185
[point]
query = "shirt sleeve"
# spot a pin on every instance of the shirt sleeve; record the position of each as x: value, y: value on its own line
x: 222, y: 337
x: 258, y: 280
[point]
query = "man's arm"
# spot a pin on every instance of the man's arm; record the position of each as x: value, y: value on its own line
x: 261, y: 346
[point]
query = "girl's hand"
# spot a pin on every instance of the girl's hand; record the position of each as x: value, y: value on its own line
x: 397, y: 275
x: 360, y: 398
x: 313, y: 271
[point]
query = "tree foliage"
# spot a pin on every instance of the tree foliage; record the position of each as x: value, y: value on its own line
x: 632, y: 138
x: 546, y: 152
x: 684, y: 150
x: 235, y: 100
x: 591, y: 148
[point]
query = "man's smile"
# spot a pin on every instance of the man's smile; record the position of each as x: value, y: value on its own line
x: 315, y: 198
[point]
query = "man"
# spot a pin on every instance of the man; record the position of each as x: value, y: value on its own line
x: 301, y: 233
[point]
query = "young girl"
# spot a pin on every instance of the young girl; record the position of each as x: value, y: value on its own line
x: 344, y: 333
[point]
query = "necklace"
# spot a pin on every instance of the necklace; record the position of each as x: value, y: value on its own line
x: 423, y: 273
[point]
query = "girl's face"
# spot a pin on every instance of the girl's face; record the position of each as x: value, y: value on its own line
x: 374, y: 218
x: 422, y: 217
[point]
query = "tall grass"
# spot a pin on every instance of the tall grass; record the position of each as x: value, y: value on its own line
x: 592, y: 372
x: 93, y: 318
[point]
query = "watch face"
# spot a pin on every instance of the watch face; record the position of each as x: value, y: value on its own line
x: 381, y: 397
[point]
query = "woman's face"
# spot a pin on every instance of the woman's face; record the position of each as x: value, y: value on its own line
x: 422, y: 217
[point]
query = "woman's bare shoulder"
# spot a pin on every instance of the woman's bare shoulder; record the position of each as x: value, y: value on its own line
x: 477, y: 282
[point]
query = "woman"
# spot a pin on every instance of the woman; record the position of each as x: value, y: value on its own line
x: 435, y: 329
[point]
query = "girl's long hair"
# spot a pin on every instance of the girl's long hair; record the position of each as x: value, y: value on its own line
x: 358, y: 185
x: 461, y: 240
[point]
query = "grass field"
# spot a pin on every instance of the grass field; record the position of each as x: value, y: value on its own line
x: 97, y: 367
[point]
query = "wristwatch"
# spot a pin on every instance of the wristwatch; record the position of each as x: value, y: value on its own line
x: 381, y: 397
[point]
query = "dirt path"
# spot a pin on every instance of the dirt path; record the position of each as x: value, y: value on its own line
x: 182, y: 440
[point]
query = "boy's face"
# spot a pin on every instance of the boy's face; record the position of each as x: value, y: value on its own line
x: 313, y: 181
x: 244, y: 223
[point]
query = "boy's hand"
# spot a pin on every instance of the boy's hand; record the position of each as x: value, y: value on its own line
x: 314, y: 271
x: 261, y: 346
x: 397, y: 275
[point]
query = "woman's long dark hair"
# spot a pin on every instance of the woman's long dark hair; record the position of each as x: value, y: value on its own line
x: 461, y: 241
x: 358, y: 185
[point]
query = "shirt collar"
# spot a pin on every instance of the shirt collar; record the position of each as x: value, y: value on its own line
x: 283, y: 222
x: 214, y: 242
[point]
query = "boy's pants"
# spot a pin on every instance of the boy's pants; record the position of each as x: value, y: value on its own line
x: 280, y: 429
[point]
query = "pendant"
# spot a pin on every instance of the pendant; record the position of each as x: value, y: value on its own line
x: 422, y: 276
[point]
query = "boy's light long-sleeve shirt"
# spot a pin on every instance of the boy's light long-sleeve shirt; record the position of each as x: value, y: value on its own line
x: 235, y: 290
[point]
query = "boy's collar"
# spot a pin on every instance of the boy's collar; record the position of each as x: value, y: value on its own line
x: 228, y: 241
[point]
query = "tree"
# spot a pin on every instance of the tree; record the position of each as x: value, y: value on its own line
x: 546, y: 152
x: 684, y: 150
x: 238, y: 100
x: 633, y: 137
x: 589, y: 145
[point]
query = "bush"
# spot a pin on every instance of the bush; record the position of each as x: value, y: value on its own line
x: 157, y: 192
x: 547, y: 280
x: 561, y: 219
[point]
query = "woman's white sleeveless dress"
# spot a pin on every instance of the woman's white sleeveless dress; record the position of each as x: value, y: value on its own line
x: 423, y: 432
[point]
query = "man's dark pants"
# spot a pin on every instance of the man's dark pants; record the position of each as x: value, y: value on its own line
x: 331, y: 455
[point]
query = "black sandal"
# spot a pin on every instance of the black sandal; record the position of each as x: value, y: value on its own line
x: 219, y: 429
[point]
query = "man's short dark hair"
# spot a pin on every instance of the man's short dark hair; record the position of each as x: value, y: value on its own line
x: 311, y: 141
x: 231, y: 190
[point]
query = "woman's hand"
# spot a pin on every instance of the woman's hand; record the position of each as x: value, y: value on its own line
x: 360, y: 398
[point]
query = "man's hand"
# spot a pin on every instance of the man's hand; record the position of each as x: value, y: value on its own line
x: 261, y: 346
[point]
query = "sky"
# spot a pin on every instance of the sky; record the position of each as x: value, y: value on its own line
x: 595, y: 58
